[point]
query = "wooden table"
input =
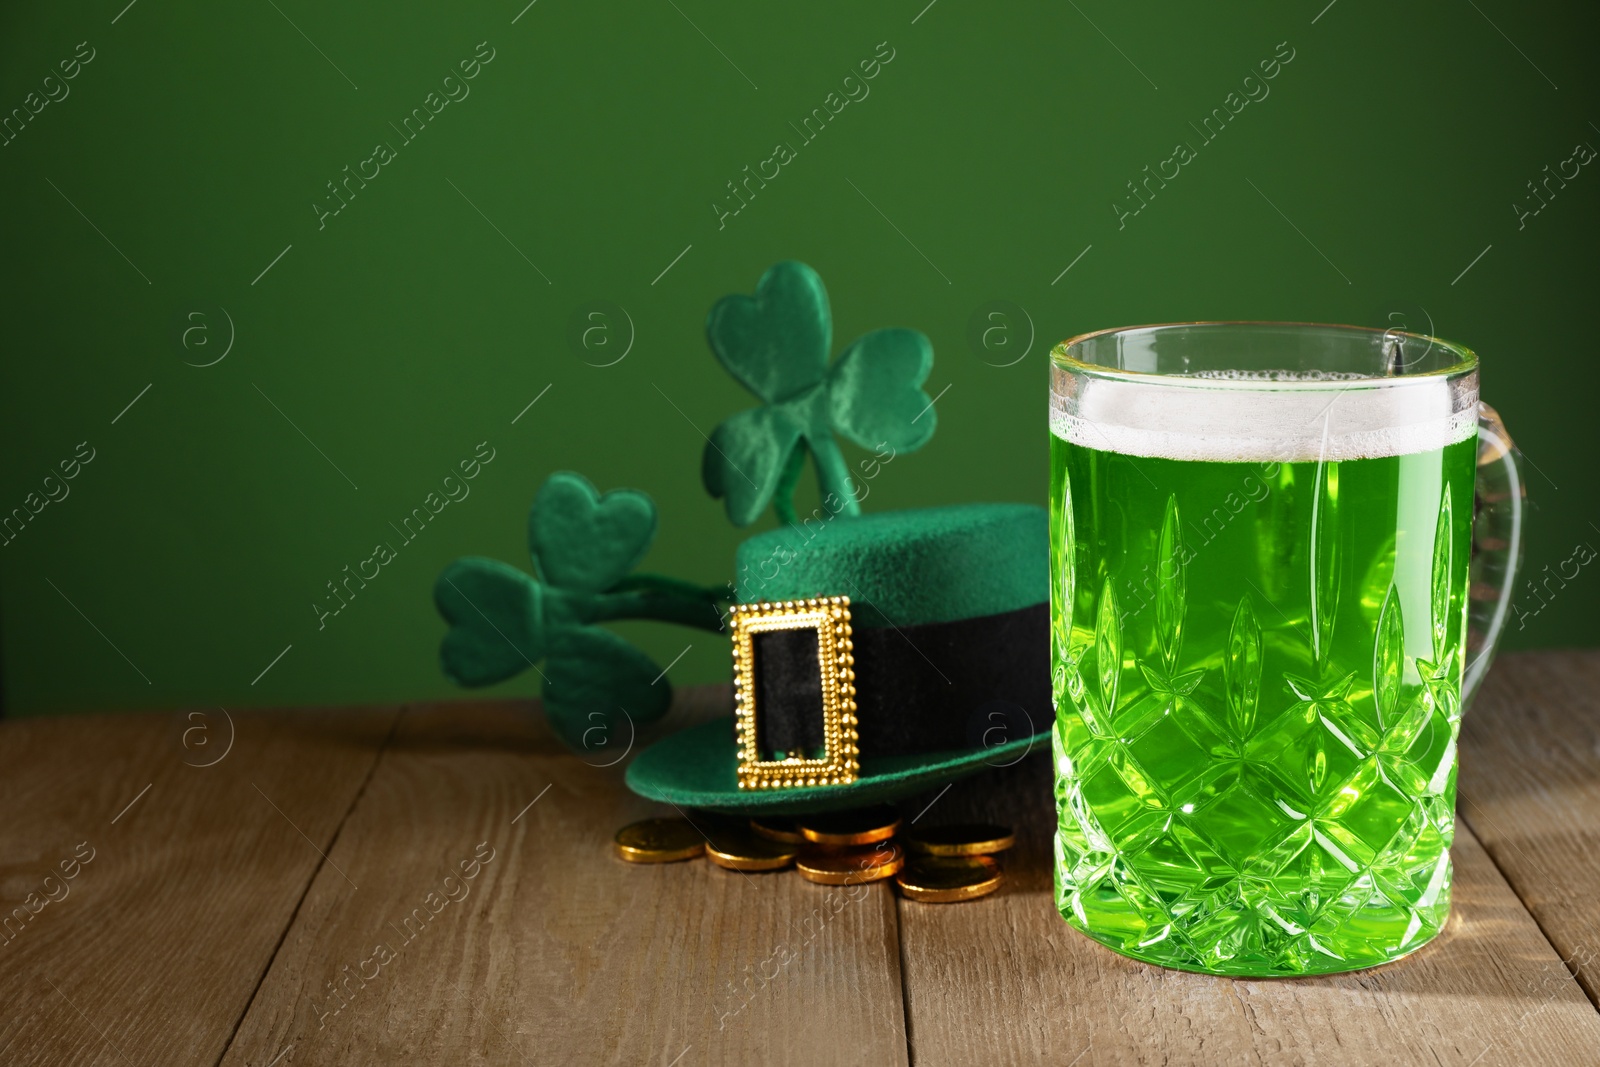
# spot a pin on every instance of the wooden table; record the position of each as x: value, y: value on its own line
x: 233, y: 913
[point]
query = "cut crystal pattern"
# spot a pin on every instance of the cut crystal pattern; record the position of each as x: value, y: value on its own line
x: 1288, y: 825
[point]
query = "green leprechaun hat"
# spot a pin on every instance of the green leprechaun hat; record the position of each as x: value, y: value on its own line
x: 874, y: 655
x: 947, y: 663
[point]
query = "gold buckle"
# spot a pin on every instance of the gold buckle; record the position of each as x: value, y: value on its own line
x: 830, y: 617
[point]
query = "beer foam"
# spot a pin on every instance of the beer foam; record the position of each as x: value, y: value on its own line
x: 1260, y: 416
x: 1278, y: 376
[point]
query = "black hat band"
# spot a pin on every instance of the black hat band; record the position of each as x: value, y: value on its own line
x: 967, y: 684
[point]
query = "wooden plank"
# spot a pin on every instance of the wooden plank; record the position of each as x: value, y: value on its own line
x: 151, y: 951
x: 556, y: 951
x: 1530, y: 752
x: 1005, y: 980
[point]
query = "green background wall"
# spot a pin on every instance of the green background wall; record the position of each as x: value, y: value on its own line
x: 415, y: 324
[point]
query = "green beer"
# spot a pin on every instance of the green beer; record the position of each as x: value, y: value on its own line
x: 1259, y: 633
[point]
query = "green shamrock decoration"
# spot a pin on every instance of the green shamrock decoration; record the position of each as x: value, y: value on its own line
x: 776, y: 344
x: 584, y: 546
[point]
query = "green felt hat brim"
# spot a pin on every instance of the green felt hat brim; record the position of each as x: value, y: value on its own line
x: 698, y: 768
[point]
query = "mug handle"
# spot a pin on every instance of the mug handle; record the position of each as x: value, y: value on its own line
x: 1496, y: 546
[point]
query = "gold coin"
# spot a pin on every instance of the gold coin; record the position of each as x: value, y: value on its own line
x: 659, y: 841
x: 966, y: 839
x: 740, y: 848
x: 774, y: 828
x: 851, y: 866
x: 946, y: 879
x: 863, y: 826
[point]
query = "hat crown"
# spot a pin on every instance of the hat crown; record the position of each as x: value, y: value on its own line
x: 906, y: 568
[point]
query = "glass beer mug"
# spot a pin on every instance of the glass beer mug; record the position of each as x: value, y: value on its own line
x: 1263, y: 637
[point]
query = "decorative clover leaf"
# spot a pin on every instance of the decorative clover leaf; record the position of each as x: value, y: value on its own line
x: 592, y: 672
x: 584, y: 545
x: 581, y: 540
x: 776, y: 344
x: 496, y: 616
